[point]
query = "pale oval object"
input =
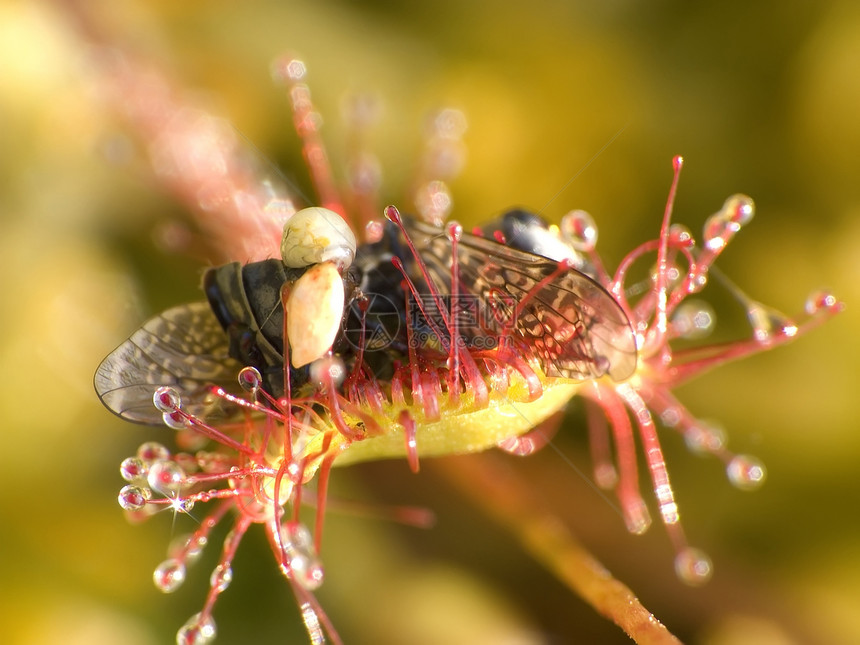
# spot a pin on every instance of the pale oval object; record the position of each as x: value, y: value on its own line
x: 315, y: 235
x: 314, y: 313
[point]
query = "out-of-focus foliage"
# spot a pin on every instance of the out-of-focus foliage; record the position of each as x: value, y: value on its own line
x: 759, y: 98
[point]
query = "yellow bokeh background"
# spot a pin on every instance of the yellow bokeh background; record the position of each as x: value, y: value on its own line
x: 760, y: 98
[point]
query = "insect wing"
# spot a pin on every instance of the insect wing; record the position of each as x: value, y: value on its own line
x: 573, y: 326
x: 183, y: 347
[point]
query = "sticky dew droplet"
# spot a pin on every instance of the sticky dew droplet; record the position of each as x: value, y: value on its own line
x: 693, y: 320
x: 579, y: 231
x: 166, y: 399
x: 392, y: 214
x: 133, y: 470
x: 232, y: 540
x: 672, y: 274
x: 152, y: 451
x: 166, y: 477
x: 221, y: 577
x: 681, y: 236
x: 169, y: 575
x: 454, y: 231
x: 133, y: 498
x: 670, y: 417
x: 288, y: 70
x: 175, y: 420
x: 737, y: 211
x: 433, y: 202
x: 767, y: 322
x: 706, y: 437
x: 373, y: 231
x: 199, y: 630
x: 328, y: 368
x: 298, y: 536
x: 187, y: 547
x: 250, y: 379
x: 182, y: 505
x: 304, y: 564
x: 822, y: 300
x: 693, y: 566
x: 746, y: 472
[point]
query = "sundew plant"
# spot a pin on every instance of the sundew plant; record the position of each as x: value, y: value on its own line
x: 338, y: 329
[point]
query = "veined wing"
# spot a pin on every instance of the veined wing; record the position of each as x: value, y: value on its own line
x: 571, y: 324
x: 183, y: 347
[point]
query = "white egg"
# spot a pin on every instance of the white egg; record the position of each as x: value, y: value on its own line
x: 314, y: 313
x: 315, y: 235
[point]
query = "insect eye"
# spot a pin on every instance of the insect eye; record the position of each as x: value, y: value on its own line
x: 315, y: 235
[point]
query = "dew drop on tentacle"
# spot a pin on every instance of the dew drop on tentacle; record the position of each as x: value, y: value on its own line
x: 373, y: 231
x: 187, y: 548
x: 221, y: 577
x: 720, y: 227
x: 152, y: 451
x: 291, y: 69
x: 746, y: 472
x: 175, y: 420
x: 250, y: 379
x: 579, y: 231
x: 704, y: 437
x: 822, y: 300
x: 166, y: 477
x: 693, y: 566
x: 433, y: 202
x: 328, y: 369
x: 767, y: 323
x: 392, y: 214
x: 693, y: 320
x: 166, y: 399
x: 303, y: 562
x: 199, y: 630
x: 680, y: 236
x: 454, y: 231
x: 169, y: 575
x: 133, y: 470
x: 133, y: 498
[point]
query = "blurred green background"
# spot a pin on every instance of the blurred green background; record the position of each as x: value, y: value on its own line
x: 761, y: 98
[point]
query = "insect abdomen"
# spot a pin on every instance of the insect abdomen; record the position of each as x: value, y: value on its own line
x: 246, y: 301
